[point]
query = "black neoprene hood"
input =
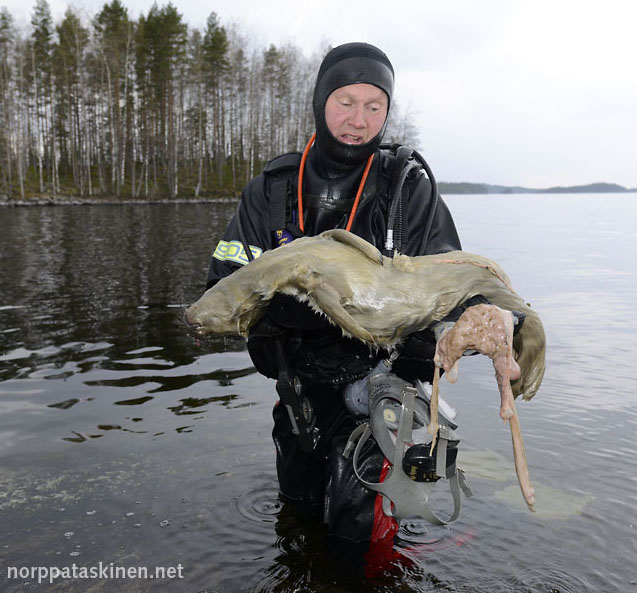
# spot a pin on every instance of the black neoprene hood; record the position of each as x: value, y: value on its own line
x: 351, y: 63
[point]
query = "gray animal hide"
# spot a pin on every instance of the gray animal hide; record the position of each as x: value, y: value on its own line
x: 374, y: 299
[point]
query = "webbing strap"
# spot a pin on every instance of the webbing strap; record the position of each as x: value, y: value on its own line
x: 441, y: 457
x: 278, y: 204
x: 402, y: 497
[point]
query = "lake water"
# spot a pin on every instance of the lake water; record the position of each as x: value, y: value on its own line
x: 123, y: 442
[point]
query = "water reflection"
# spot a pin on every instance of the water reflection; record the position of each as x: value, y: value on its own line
x: 65, y: 405
x: 141, y: 375
x: 123, y: 440
x: 192, y: 405
x: 167, y: 383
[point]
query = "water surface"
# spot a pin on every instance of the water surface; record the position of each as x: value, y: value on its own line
x: 123, y: 441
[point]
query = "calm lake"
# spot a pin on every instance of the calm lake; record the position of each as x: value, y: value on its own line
x: 123, y: 443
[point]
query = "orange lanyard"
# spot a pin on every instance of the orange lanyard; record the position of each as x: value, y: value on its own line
x: 358, y: 193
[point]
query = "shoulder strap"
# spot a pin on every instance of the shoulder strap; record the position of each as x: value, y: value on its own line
x: 290, y: 160
x: 279, y: 172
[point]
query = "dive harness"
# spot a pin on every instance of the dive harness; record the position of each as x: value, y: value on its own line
x: 290, y: 391
x: 396, y: 408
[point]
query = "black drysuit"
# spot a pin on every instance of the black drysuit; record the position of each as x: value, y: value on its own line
x: 322, y: 482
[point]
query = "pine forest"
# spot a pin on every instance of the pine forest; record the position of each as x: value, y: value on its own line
x: 148, y: 108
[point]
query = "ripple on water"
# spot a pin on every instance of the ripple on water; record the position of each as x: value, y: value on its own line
x: 533, y: 581
x: 236, y: 527
x: 260, y: 505
x: 430, y: 538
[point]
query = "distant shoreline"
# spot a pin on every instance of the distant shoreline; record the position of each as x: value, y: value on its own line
x: 108, y: 201
x: 444, y: 187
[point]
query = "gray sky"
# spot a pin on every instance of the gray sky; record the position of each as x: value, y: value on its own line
x: 535, y: 93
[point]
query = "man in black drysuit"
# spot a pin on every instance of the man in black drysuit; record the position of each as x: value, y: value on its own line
x: 351, y: 99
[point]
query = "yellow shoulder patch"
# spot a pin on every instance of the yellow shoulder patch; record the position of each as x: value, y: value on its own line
x: 233, y: 251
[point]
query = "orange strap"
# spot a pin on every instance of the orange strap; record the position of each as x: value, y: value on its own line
x: 361, y: 185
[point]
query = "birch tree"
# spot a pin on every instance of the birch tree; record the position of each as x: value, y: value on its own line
x: 150, y: 107
x: 6, y: 101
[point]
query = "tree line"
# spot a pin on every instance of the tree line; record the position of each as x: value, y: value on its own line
x: 147, y: 108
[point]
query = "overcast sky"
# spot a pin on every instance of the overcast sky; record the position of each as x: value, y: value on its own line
x: 536, y: 93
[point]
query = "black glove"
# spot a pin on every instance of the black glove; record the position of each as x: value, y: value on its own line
x: 416, y: 357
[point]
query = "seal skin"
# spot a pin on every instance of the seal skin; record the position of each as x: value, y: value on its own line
x: 488, y: 330
x: 374, y: 299
x: 381, y: 300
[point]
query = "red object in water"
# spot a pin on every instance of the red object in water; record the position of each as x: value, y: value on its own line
x: 382, y: 553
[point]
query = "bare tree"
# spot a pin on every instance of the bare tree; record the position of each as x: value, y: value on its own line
x: 6, y: 100
x: 150, y: 107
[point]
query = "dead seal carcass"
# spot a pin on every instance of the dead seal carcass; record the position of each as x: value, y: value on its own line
x: 376, y: 299
x: 381, y: 300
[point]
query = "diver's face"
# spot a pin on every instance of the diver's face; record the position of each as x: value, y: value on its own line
x: 356, y: 113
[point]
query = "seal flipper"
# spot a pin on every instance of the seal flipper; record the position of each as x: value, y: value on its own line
x: 327, y: 300
x: 347, y: 238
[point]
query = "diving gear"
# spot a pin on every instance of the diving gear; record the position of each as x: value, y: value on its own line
x: 351, y: 63
x: 299, y: 409
x: 356, y: 394
x: 397, y: 408
x: 407, y: 159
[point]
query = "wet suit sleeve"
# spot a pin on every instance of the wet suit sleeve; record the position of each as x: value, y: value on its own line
x: 443, y: 235
x: 248, y: 228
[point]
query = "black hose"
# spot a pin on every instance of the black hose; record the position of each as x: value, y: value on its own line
x: 403, y: 157
x: 403, y: 154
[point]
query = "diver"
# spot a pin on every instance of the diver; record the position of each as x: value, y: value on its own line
x: 345, y: 179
